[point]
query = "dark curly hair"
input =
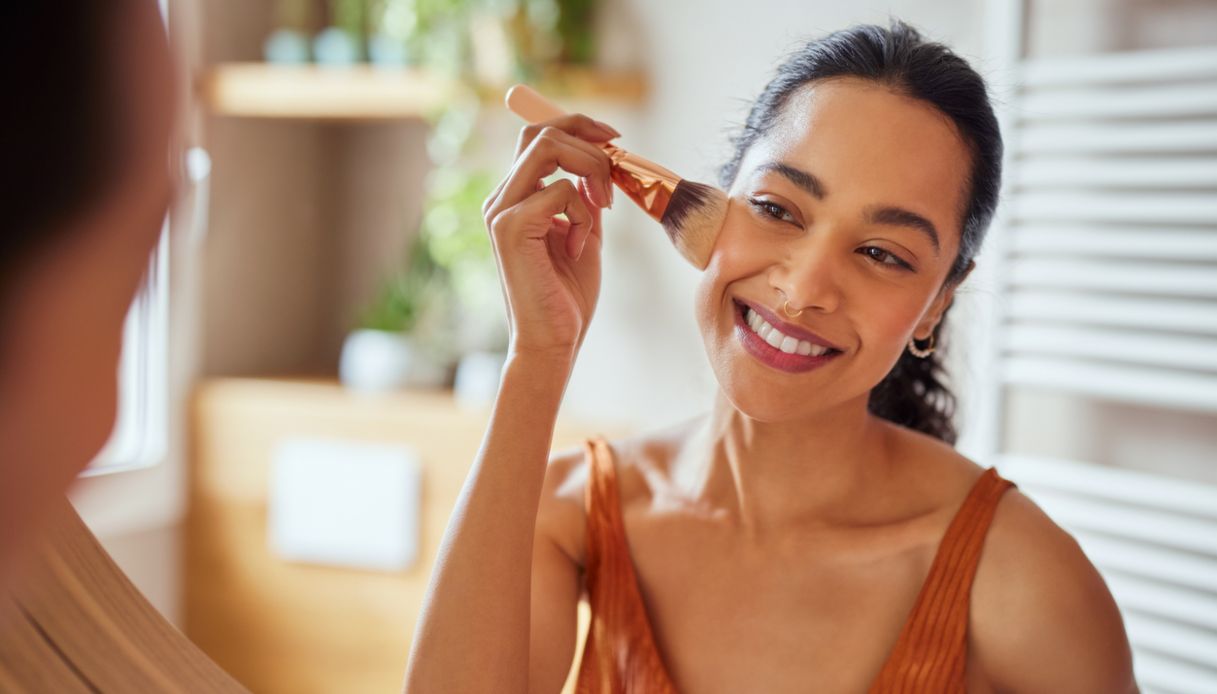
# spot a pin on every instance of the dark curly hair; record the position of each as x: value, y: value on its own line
x: 914, y: 393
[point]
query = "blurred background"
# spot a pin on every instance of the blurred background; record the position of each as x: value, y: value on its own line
x: 308, y: 369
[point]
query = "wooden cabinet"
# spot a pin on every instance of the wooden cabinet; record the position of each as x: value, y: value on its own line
x: 282, y: 627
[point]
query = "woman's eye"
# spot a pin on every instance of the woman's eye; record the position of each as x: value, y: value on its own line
x: 771, y: 209
x: 881, y: 254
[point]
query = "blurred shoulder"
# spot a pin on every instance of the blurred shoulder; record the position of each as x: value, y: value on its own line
x: 640, y: 460
x: 561, y: 514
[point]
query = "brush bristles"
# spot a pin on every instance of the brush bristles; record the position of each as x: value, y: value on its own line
x: 693, y: 218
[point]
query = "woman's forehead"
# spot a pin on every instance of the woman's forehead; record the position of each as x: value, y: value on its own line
x: 859, y: 136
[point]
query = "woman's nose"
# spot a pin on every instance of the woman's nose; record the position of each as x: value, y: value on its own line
x: 807, y: 277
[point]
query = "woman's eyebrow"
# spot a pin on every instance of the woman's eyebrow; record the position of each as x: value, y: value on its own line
x: 881, y: 214
x: 799, y: 177
x: 875, y: 214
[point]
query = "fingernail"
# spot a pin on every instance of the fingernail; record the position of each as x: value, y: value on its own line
x: 597, y: 198
x: 606, y: 127
x: 608, y: 195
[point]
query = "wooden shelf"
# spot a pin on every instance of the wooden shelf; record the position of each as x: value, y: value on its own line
x: 366, y: 92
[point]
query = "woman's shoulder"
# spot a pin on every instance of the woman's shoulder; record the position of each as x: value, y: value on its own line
x: 637, y: 459
x: 1037, y: 598
x: 1041, y: 617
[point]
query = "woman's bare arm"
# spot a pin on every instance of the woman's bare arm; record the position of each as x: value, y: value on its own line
x: 557, y: 568
x: 473, y: 633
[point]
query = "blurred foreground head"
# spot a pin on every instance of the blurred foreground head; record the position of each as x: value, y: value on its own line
x: 86, y: 182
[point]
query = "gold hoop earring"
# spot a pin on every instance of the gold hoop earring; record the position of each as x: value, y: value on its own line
x: 786, y: 309
x: 921, y: 353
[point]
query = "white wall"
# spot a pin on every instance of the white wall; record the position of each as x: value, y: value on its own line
x: 1171, y: 443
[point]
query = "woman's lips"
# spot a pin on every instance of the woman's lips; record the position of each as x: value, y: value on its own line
x: 787, y: 328
x: 772, y: 356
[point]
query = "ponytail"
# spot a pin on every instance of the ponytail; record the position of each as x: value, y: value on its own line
x: 915, y: 394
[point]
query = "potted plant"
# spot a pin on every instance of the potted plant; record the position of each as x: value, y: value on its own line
x: 289, y: 43
x: 458, y: 244
x: 341, y: 43
x: 392, y: 26
x: 403, y: 340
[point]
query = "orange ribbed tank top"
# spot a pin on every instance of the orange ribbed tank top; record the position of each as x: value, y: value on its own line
x: 620, y: 656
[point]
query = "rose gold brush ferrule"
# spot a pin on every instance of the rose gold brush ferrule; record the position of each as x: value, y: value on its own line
x: 647, y: 183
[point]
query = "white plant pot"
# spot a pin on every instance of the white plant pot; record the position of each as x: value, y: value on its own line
x: 334, y: 46
x: 385, y: 51
x: 477, y: 379
x: 376, y: 361
x: 286, y: 46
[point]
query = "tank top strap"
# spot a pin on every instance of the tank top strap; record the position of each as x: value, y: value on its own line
x: 619, y: 653
x: 930, y: 653
x: 602, y: 502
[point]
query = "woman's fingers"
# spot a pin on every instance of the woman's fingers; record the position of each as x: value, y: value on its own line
x: 593, y: 229
x: 567, y: 143
x: 600, y: 155
x: 549, y: 151
x: 576, y: 124
x: 560, y: 229
x: 562, y: 197
x: 550, y: 297
x: 575, y: 130
x: 559, y: 197
x: 577, y: 139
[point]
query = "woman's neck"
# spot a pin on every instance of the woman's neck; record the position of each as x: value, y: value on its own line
x: 770, y: 476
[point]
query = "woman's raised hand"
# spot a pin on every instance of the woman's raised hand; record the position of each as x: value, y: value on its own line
x: 549, y: 267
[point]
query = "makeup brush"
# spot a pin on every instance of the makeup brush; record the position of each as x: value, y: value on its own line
x: 691, y: 213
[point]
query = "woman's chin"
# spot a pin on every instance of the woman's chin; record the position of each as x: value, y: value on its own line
x: 761, y: 403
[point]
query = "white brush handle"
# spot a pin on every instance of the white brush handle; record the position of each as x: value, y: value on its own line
x: 527, y: 103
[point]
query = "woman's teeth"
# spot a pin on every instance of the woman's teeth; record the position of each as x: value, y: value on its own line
x: 775, y: 338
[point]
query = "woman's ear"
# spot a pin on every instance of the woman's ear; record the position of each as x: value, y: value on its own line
x: 945, y: 296
x: 964, y: 276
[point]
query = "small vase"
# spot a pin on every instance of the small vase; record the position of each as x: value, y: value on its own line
x: 286, y: 46
x: 377, y: 361
x: 477, y: 379
x: 386, y: 51
x: 334, y: 46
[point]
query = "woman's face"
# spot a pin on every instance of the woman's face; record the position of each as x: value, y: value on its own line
x: 850, y: 208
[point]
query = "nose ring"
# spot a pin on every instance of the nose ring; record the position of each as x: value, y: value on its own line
x: 786, y: 309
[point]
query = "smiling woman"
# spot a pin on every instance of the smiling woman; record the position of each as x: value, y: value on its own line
x: 816, y: 530
x: 852, y: 218
x: 950, y: 106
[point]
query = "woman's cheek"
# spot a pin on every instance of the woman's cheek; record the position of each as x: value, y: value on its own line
x: 892, y: 321
x: 728, y: 263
